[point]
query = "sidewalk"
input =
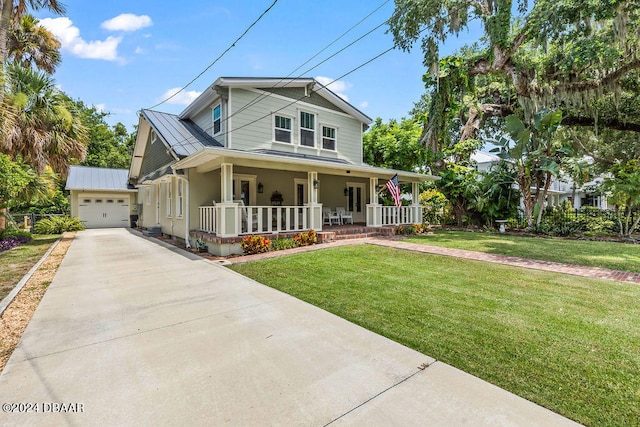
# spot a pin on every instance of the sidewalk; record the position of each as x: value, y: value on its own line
x: 553, y: 267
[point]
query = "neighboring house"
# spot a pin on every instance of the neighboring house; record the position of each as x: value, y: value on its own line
x: 560, y: 190
x: 101, y: 197
x: 259, y: 155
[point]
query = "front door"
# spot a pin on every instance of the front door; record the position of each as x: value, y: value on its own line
x: 355, y: 201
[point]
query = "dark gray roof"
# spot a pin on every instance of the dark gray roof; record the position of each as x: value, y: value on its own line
x: 102, y: 179
x: 302, y: 156
x: 183, y: 136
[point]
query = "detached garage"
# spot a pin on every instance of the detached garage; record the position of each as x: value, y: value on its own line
x: 101, y: 197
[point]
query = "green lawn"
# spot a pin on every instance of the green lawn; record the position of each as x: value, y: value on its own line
x: 617, y: 256
x: 15, y: 263
x: 568, y: 343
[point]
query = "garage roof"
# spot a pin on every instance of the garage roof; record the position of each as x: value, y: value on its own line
x: 100, y: 179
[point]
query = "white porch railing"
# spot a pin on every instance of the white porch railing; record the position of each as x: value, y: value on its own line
x: 257, y: 219
x: 393, y: 215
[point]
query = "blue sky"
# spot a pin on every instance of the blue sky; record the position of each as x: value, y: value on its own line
x: 122, y: 56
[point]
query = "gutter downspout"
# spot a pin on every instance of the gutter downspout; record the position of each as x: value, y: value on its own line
x: 187, y: 212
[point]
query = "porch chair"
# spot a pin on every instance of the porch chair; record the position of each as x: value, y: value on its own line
x: 344, y: 215
x: 328, y: 216
x: 245, y: 218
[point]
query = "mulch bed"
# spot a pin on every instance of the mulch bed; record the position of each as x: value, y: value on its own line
x: 16, y: 317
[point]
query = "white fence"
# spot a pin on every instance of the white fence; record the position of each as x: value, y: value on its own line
x: 393, y: 215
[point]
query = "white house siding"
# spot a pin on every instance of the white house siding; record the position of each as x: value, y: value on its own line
x: 253, y: 129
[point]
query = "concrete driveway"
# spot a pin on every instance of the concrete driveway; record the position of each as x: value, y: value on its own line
x: 132, y: 332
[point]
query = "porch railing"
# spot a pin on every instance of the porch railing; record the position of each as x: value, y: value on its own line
x: 257, y: 219
x: 393, y: 215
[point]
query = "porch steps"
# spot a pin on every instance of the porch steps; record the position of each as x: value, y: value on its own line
x: 346, y: 233
x: 153, y: 232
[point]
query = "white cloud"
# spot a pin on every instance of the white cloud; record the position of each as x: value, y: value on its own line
x: 364, y: 104
x: 338, y: 87
x: 139, y: 50
x: 69, y: 36
x: 127, y: 22
x: 101, y: 108
x: 183, y: 98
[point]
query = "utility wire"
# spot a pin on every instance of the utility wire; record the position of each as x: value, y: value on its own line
x: 219, y: 57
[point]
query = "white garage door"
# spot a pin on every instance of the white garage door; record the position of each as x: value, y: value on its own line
x: 103, y: 212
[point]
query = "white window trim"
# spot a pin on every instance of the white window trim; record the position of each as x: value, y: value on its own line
x: 180, y: 199
x: 169, y: 198
x: 335, y: 139
x: 273, y: 122
x: 315, y: 131
x: 213, y: 126
x: 237, y: 178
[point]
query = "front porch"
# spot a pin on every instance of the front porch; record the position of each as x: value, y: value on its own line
x: 235, y: 219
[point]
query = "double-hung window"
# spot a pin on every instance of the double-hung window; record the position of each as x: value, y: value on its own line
x: 180, y: 199
x: 217, y: 119
x: 282, y: 128
x: 307, y: 129
x: 328, y: 138
x: 169, y: 197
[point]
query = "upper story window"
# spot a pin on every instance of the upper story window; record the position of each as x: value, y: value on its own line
x: 328, y: 138
x: 282, y: 129
x: 217, y: 119
x: 307, y: 129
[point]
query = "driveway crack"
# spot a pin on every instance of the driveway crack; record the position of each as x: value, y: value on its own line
x: 421, y: 368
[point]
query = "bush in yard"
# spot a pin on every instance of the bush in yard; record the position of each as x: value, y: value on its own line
x: 280, y: 244
x: 405, y: 230
x: 10, y: 239
x: 255, y: 245
x: 58, y: 225
x: 306, y: 239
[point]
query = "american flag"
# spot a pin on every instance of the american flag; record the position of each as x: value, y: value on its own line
x: 394, y: 189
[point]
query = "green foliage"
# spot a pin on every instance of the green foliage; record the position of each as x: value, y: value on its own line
x: 58, y: 225
x: 109, y: 146
x: 20, y: 184
x: 394, y: 145
x: 255, y: 244
x: 624, y: 190
x: 281, y: 244
x: 305, y: 239
x: 436, y: 209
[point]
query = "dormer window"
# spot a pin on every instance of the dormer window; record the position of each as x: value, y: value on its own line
x: 282, y: 129
x: 307, y: 129
x: 217, y: 119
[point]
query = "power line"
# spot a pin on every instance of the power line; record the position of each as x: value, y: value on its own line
x: 219, y: 57
x: 263, y: 96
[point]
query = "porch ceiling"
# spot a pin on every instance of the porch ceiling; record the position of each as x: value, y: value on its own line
x: 211, y: 158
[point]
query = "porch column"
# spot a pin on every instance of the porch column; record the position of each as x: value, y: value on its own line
x: 315, y: 209
x: 416, y: 207
x: 226, y: 182
x: 374, y: 210
x: 227, y: 211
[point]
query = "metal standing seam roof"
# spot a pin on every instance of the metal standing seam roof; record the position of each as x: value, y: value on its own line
x: 103, y: 179
x: 183, y: 136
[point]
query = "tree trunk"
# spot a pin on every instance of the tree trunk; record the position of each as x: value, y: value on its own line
x: 3, y: 218
x: 543, y: 197
x: 5, y: 22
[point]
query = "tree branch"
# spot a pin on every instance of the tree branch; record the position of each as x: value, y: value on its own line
x: 615, y: 124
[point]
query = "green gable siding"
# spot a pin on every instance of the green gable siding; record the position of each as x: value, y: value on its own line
x: 298, y: 93
x: 155, y: 157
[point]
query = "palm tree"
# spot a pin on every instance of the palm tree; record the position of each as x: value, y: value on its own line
x: 12, y: 12
x: 31, y: 44
x: 45, y: 129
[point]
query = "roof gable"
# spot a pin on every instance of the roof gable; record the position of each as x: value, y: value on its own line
x: 310, y: 85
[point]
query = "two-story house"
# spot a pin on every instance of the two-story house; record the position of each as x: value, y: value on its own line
x: 259, y: 155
